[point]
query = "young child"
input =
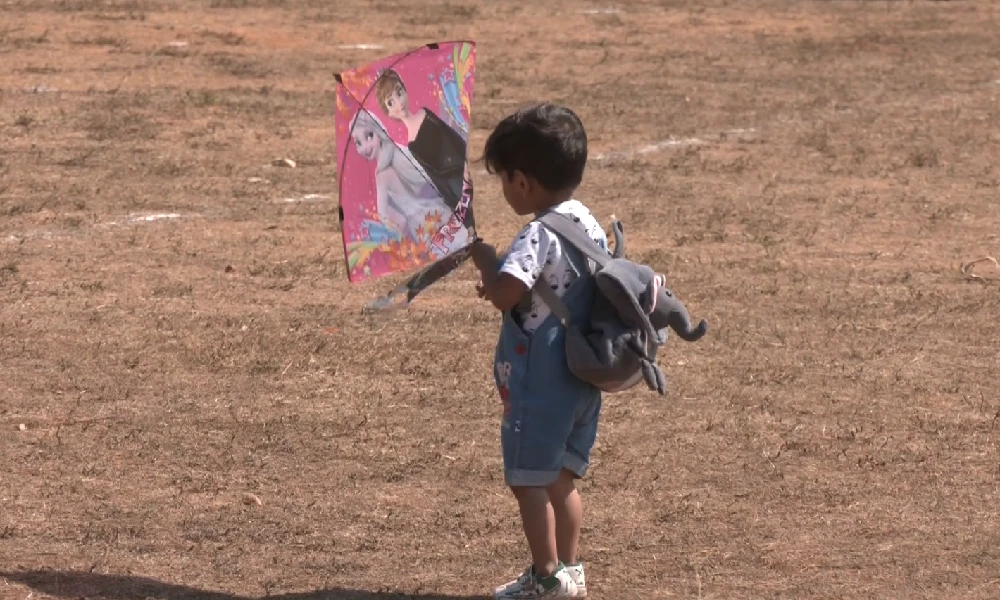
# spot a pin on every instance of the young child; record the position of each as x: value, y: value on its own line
x: 550, y: 417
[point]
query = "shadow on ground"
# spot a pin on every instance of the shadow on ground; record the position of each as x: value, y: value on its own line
x: 73, y: 584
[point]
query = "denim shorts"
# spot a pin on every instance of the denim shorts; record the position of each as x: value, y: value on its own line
x: 543, y: 435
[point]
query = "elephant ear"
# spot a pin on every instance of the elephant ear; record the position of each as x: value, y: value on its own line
x: 648, y: 298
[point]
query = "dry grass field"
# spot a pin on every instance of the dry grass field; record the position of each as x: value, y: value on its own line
x: 194, y: 407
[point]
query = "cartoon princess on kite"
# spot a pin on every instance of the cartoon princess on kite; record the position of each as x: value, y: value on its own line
x: 439, y: 149
x: 404, y: 195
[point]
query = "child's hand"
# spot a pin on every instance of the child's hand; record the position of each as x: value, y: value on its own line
x: 484, y: 256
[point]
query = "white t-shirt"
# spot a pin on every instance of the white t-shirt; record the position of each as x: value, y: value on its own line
x: 536, y: 252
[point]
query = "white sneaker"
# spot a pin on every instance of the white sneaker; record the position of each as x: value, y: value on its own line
x: 529, y: 586
x: 576, y: 574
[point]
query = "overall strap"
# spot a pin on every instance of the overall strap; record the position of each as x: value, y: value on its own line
x: 556, y: 305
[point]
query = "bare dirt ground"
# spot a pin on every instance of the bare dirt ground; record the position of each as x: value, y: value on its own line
x: 176, y: 329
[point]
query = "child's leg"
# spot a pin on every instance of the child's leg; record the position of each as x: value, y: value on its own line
x: 566, y: 502
x: 534, y: 453
x: 539, y: 524
x: 567, y: 508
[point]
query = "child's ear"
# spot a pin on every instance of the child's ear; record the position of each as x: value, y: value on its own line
x: 522, y: 183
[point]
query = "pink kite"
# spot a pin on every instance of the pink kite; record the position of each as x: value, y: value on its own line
x: 402, y: 125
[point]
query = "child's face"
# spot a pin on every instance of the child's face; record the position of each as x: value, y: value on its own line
x: 517, y: 192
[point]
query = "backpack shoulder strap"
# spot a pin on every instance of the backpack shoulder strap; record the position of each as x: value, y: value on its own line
x: 565, y: 228
x: 571, y: 232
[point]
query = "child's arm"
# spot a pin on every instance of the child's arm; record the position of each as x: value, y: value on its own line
x: 502, y: 289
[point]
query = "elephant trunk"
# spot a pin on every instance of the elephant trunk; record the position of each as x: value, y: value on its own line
x: 670, y: 312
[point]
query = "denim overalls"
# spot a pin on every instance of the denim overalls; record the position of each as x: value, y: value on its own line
x: 550, y: 416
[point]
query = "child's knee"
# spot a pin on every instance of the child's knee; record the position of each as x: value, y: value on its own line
x: 530, y: 498
x: 524, y: 490
x: 563, y: 486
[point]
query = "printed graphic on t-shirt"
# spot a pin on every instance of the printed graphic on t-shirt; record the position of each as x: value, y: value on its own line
x: 537, y: 253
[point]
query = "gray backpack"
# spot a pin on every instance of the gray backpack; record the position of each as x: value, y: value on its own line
x: 630, y: 318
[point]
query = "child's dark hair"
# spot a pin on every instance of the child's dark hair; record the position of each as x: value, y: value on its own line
x: 545, y: 141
